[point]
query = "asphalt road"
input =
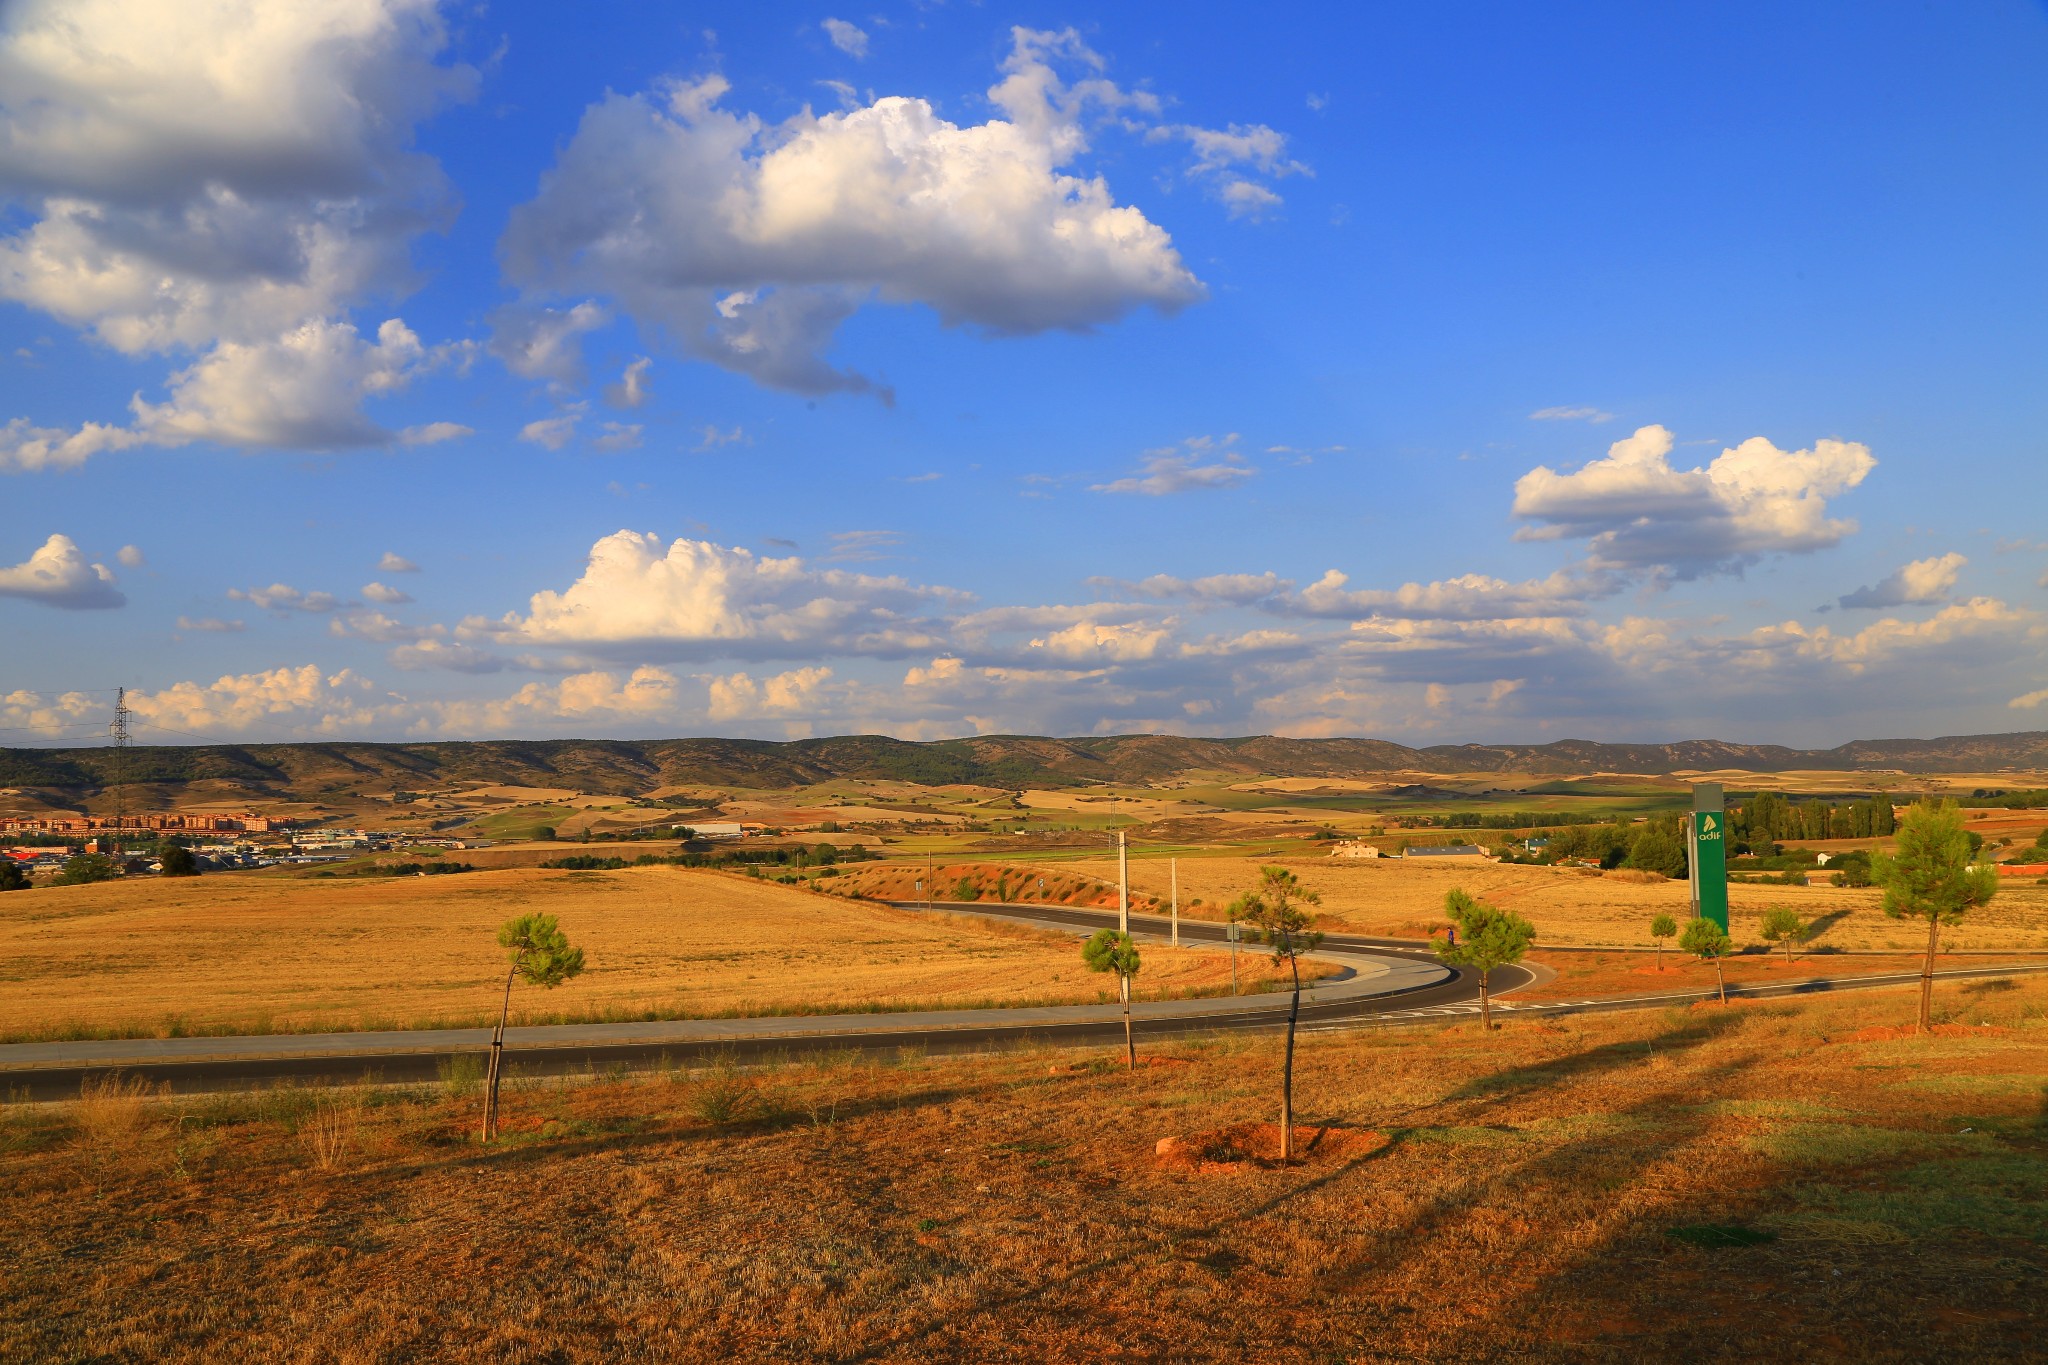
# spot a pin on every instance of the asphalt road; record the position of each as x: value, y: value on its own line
x: 976, y: 1031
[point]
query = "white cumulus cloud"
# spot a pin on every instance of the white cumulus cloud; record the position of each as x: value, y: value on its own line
x: 59, y: 575
x: 694, y: 597
x: 221, y: 178
x: 750, y: 243
x: 1918, y: 584
x: 1638, y: 512
x: 385, y: 595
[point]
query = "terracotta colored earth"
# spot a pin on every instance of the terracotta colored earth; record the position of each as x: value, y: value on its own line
x: 1244, y: 1145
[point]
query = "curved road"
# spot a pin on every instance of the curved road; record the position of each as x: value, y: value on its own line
x: 1417, y: 982
x: 1392, y: 981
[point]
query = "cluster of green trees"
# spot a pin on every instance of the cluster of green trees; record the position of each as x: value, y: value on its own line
x: 1997, y: 798
x: 1768, y: 818
x: 1656, y: 845
x: 1930, y: 875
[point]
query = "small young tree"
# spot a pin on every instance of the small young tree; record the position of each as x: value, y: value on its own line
x: 1707, y: 940
x: 542, y: 955
x: 1110, y: 951
x: 1661, y: 928
x: 1783, y: 925
x: 1928, y: 876
x: 1274, y: 913
x: 1488, y: 937
x: 179, y: 862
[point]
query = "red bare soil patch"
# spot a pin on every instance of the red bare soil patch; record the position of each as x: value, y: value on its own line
x: 1891, y: 1033
x: 1222, y: 1150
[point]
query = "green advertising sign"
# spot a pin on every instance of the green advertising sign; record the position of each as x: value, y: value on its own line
x: 1707, y: 852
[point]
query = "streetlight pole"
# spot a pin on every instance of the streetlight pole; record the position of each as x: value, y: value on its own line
x: 1173, y: 871
x: 1123, y: 885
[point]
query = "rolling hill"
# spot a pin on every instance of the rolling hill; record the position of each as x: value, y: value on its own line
x: 307, y: 771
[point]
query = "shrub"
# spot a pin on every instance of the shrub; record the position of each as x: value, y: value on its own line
x: 88, y: 867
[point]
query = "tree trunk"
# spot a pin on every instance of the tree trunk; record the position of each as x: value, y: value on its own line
x: 1287, y: 1071
x: 1660, y: 954
x: 1722, y: 979
x: 1130, y: 1044
x: 497, y: 1053
x: 1485, y: 1004
x: 1927, y: 976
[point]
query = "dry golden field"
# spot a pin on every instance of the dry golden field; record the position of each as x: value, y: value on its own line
x: 229, y: 953
x: 1760, y: 1183
x: 1395, y: 897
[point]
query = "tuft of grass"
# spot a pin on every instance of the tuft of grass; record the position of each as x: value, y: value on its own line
x: 461, y: 1075
x: 111, y: 1110
x: 332, y: 1131
x: 724, y: 1096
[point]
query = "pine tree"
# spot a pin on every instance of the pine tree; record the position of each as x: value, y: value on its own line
x: 1929, y: 876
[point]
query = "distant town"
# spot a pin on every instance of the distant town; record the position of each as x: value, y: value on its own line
x: 47, y: 843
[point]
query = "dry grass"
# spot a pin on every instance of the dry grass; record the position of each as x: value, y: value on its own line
x: 1748, y: 1184
x: 1597, y: 975
x: 1388, y: 896
x: 241, y: 954
x: 330, y: 1133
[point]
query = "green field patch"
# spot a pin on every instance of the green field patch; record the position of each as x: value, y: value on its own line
x: 1999, y: 1193
x: 1769, y: 1109
x: 1459, y: 1136
x: 1844, y: 1144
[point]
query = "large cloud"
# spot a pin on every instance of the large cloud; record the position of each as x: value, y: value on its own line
x: 748, y: 244
x: 59, y: 575
x: 692, y: 598
x: 1640, y: 513
x: 224, y: 177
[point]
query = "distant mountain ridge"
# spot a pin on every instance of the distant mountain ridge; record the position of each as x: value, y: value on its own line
x: 630, y: 766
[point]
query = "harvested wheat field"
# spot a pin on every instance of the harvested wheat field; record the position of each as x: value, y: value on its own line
x: 1392, y: 896
x: 238, y: 954
x: 1776, y: 1182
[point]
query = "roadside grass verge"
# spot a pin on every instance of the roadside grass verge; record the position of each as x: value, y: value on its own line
x: 1611, y: 1186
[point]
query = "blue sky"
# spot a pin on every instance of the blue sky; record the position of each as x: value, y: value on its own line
x: 385, y: 369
